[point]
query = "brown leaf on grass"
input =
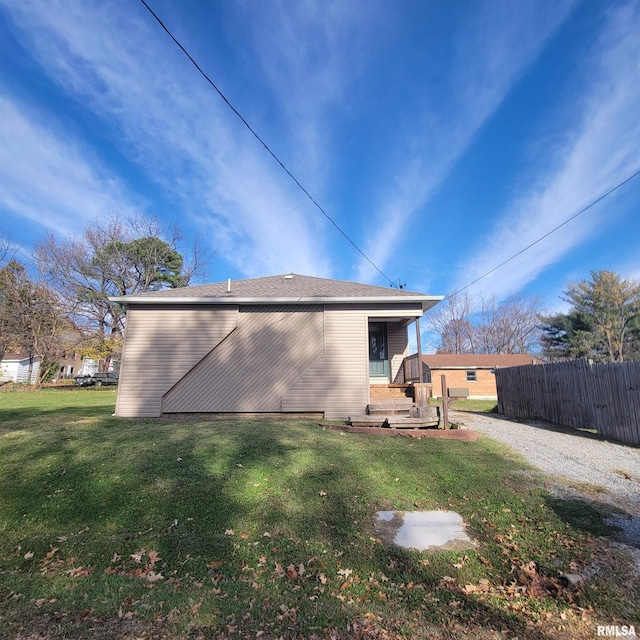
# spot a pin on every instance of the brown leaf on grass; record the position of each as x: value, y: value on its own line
x: 228, y: 532
x: 137, y: 556
x: 323, y: 579
x: 79, y: 572
x: 292, y: 571
x: 28, y: 555
x: 115, y: 557
x: 152, y: 576
x: 50, y: 555
x: 40, y: 601
x: 279, y: 571
x: 153, y: 556
x: 214, y: 564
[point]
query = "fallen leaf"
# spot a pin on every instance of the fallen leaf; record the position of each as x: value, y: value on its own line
x: 228, y: 532
x: 137, y: 556
x: 152, y: 576
x: 50, y: 555
x: 79, y: 572
x: 279, y: 571
x: 28, y: 555
x: 153, y: 556
x: 115, y: 557
x: 323, y: 493
x: 214, y: 564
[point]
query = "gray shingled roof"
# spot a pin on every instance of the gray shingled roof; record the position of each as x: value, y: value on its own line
x: 285, y: 287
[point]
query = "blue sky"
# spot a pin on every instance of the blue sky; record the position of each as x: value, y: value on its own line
x: 441, y: 136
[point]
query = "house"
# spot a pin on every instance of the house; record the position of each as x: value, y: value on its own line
x: 285, y: 344
x: 17, y: 367
x: 473, y: 371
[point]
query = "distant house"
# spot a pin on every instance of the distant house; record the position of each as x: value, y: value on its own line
x: 284, y: 344
x: 473, y: 371
x: 17, y: 367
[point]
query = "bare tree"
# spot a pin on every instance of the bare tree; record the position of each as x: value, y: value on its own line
x: 451, y: 322
x: 31, y: 319
x: 465, y: 326
x: 120, y: 256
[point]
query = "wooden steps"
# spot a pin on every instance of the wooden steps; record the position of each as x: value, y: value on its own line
x: 392, y: 407
x: 391, y: 421
x: 395, y: 406
x: 390, y: 391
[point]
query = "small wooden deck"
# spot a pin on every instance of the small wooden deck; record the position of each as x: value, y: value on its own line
x: 393, y: 411
x: 466, y: 435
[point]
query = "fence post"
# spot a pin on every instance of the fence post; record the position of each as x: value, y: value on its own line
x: 445, y: 404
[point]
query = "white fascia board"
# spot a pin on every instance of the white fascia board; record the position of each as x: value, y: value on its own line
x: 426, y: 302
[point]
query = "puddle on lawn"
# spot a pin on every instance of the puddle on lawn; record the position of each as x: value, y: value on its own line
x: 423, y: 530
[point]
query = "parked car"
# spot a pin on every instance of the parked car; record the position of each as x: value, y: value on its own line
x: 97, y: 379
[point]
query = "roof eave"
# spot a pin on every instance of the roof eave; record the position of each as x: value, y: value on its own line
x: 426, y: 302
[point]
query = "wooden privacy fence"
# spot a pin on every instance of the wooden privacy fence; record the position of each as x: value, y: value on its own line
x: 604, y: 397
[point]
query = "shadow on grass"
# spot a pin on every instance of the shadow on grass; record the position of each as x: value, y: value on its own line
x: 245, y: 497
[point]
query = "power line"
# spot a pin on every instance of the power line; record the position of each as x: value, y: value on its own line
x: 264, y: 144
x: 546, y: 235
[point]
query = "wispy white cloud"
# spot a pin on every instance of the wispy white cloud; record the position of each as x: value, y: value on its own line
x: 49, y: 177
x: 116, y: 61
x: 593, y: 157
x: 310, y: 52
x: 495, y: 46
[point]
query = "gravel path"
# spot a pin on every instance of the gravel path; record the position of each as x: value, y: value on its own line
x: 573, y: 457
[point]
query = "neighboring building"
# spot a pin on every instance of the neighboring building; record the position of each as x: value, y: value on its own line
x: 16, y: 367
x: 473, y: 371
x: 288, y: 343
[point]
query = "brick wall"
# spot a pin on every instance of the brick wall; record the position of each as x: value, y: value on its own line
x: 484, y: 387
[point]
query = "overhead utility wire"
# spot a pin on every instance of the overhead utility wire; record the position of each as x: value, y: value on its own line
x: 264, y: 144
x: 546, y: 235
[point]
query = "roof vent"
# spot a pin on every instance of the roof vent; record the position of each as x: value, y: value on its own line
x: 289, y: 276
x: 229, y: 285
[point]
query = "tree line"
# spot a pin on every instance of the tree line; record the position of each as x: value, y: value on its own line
x: 602, y: 324
x: 54, y: 299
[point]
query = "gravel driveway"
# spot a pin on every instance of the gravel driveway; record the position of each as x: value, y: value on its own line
x: 574, y: 458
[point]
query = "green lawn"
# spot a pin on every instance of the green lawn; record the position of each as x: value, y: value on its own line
x: 256, y: 528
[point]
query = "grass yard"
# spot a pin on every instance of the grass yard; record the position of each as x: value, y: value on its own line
x: 115, y: 528
x: 475, y: 406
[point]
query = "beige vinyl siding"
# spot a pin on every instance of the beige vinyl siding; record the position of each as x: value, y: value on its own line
x: 398, y: 345
x: 338, y: 383
x: 255, y: 366
x: 161, y: 345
